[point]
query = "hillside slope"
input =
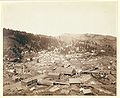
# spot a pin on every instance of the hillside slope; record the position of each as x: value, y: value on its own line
x: 15, y: 42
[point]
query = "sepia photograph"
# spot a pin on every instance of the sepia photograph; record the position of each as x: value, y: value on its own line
x: 59, y: 48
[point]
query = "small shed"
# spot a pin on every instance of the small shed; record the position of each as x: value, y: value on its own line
x: 87, y: 92
x: 66, y: 71
x: 54, y: 75
x: 74, y: 80
x: 29, y: 81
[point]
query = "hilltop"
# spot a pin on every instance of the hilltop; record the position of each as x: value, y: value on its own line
x: 17, y: 42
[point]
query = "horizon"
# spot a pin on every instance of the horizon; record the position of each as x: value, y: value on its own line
x: 63, y: 34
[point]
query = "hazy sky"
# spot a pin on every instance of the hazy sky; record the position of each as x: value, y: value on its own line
x: 54, y: 18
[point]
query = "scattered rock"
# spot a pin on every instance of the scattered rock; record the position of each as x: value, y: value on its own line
x: 29, y: 82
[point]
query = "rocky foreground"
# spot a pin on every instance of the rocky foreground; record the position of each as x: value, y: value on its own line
x: 52, y: 73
